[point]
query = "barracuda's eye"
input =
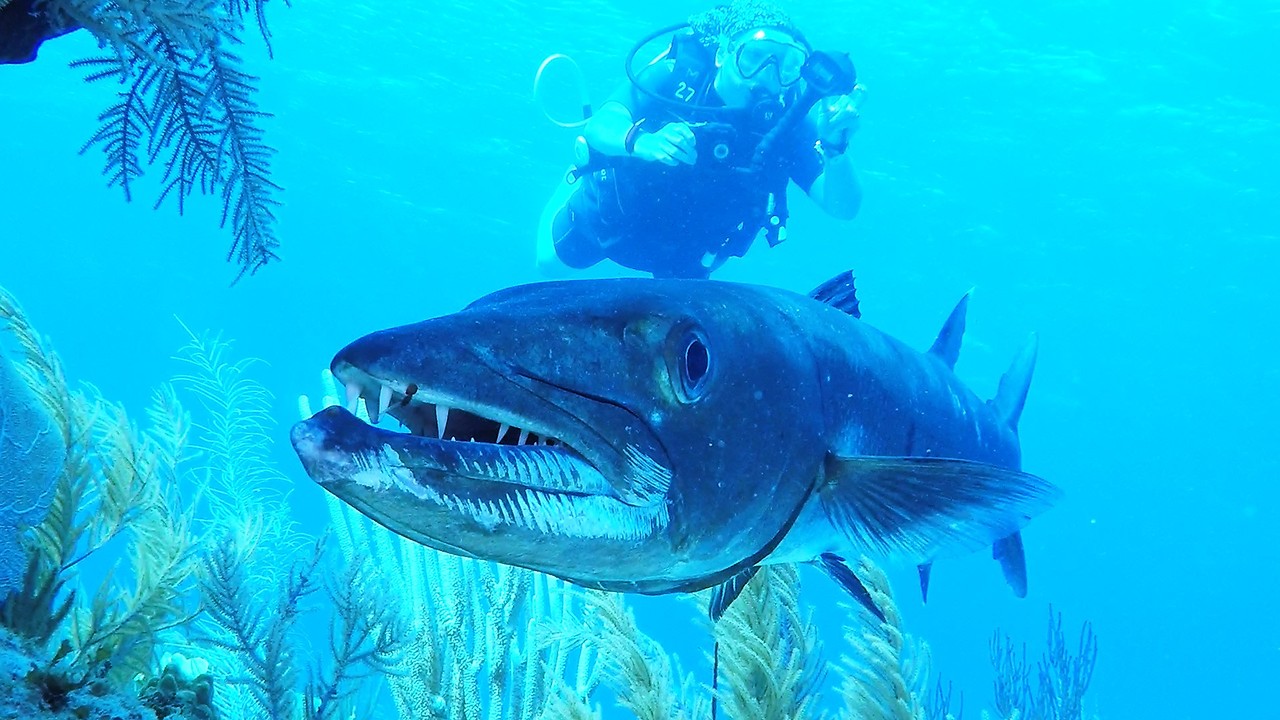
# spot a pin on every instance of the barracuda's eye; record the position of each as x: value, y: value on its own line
x: 693, y: 363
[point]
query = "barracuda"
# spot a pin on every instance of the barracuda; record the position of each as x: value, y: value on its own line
x: 659, y: 436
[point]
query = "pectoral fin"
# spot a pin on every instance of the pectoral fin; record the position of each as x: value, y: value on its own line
x: 726, y: 592
x: 839, y: 570
x: 927, y: 507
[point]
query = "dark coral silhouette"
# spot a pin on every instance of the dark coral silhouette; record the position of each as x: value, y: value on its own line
x: 184, y: 101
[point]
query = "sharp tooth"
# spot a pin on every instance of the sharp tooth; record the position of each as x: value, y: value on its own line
x: 353, y: 396
x: 384, y: 399
x: 524, y: 437
x: 502, y: 430
x: 442, y: 419
x: 372, y: 409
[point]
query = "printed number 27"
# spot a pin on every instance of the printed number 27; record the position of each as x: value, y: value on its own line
x: 684, y: 92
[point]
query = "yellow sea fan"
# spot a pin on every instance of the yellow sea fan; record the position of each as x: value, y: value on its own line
x: 884, y: 676
x: 770, y: 654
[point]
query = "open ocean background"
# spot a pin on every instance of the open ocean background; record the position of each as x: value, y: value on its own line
x: 1104, y: 174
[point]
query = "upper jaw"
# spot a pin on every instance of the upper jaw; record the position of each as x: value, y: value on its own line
x: 429, y: 411
x: 446, y: 429
x: 477, y: 399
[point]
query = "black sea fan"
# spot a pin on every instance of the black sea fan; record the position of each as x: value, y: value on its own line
x: 186, y: 103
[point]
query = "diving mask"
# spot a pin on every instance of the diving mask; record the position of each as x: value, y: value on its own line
x: 762, y: 50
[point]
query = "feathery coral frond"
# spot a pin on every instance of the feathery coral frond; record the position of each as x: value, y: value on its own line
x: 366, y: 638
x: 130, y: 499
x: 234, y: 476
x: 248, y: 192
x: 887, y: 675
x: 121, y: 132
x: 238, y: 9
x: 186, y: 102
x: 637, y: 669
x: 770, y: 654
x: 255, y: 633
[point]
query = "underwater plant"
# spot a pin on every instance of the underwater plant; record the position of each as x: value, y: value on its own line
x: 771, y: 658
x: 1061, y: 676
x: 111, y: 499
x: 114, y: 506
x: 183, y: 100
x: 886, y: 675
x: 646, y: 680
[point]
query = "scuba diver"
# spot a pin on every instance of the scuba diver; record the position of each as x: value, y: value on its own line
x: 688, y: 162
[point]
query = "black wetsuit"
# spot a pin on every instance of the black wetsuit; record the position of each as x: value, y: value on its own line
x: 665, y: 220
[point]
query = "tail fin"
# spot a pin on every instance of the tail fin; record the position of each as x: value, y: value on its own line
x: 1010, y: 398
x: 1012, y: 393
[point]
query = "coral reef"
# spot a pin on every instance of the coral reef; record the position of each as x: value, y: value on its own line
x: 113, y: 503
x: 184, y: 101
x: 184, y: 689
x: 124, y: 518
x: 31, y: 688
x: 31, y: 452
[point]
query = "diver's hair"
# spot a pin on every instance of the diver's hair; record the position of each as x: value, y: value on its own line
x: 738, y: 16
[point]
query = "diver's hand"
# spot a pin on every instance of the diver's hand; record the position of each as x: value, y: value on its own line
x: 839, y: 118
x: 670, y: 144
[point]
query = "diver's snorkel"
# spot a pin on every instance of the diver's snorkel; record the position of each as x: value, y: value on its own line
x: 826, y: 74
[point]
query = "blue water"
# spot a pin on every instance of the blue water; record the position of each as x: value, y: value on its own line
x: 1102, y: 174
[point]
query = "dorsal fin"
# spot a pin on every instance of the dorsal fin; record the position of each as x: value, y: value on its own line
x: 839, y: 293
x: 947, y: 346
x: 1012, y: 393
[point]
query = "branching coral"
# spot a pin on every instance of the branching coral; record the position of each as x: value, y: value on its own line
x: 1062, y: 676
x: 366, y: 639
x: 254, y: 626
x: 184, y: 101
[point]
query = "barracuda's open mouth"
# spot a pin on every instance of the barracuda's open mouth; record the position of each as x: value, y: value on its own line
x: 497, y: 469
